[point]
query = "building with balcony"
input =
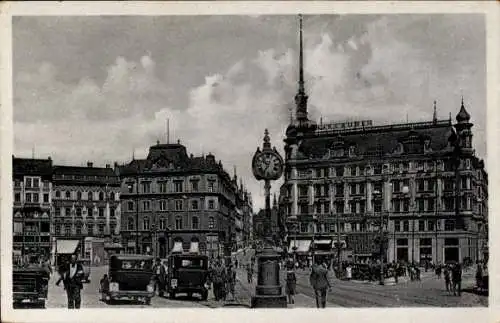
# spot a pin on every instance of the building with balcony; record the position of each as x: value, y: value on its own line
x: 86, y: 210
x: 32, y: 179
x: 172, y: 202
x: 420, y: 186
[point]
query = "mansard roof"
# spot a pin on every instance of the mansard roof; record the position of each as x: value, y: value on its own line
x: 411, y: 138
x: 31, y: 167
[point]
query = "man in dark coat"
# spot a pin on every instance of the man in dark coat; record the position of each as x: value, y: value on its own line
x: 320, y: 283
x: 456, y: 278
x: 72, y: 274
x: 159, y: 276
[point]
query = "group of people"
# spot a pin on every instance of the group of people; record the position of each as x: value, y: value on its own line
x: 452, y: 277
x: 223, y: 280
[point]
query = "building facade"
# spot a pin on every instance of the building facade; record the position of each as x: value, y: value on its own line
x: 32, y: 183
x: 411, y: 192
x: 86, y: 209
x: 172, y: 202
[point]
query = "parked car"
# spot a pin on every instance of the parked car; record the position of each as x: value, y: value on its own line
x: 30, y: 286
x: 129, y: 277
x: 187, y: 273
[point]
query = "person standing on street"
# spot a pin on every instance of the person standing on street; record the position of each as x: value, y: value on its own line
x: 231, y: 281
x: 457, y: 279
x: 291, y: 282
x: 72, y: 281
x: 159, y: 276
x: 320, y: 283
x: 348, y: 272
x: 446, y: 273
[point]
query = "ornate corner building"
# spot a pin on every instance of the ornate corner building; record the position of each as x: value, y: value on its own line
x: 32, y: 179
x: 172, y: 201
x: 421, y: 181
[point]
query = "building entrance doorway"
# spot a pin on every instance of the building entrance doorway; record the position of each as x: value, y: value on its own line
x: 451, y: 254
x: 402, y: 254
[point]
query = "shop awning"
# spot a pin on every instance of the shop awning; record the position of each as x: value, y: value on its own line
x: 326, y: 241
x: 177, y: 247
x: 302, y: 245
x: 66, y: 246
x: 194, y: 248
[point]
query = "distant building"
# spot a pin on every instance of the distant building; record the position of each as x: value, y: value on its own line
x: 260, y: 220
x: 350, y: 178
x: 32, y: 179
x: 86, y: 207
x: 172, y: 201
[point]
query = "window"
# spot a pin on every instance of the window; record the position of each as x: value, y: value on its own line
x: 211, y: 204
x: 402, y: 242
x: 89, y: 196
x: 130, y: 224
x: 101, y: 196
x: 397, y: 226
x: 45, y: 198
x: 397, y: 205
x: 162, y: 187
x: 377, y: 205
x: 339, y: 190
x: 304, y: 208
x: 194, y: 186
x: 420, y: 204
x: 101, y: 212
x: 130, y: 187
x: 303, y: 227
x: 112, y: 228
x: 352, y: 189
x: 78, y: 195
x: 339, y: 171
x: 211, y: 222
x: 377, y: 187
x: 67, y: 211
x: 377, y: 169
x: 79, y: 211
x: 67, y: 229
x: 426, y: 242
x: 17, y: 197
x: 28, y: 182
x: 421, y: 225
x: 449, y: 203
x: 430, y: 225
x: 430, y: 204
x: 78, y: 229
x: 178, y: 186
x: 57, y: 229
x: 146, y: 187
x: 406, y: 205
x: 35, y: 198
x: 211, y: 186
x: 36, y: 183
x: 111, y: 212
x: 396, y: 186
x: 112, y: 196
x: 100, y: 228
x: 339, y: 207
x: 194, y: 205
x: 163, y: 224
x: 145, y: 224
x: 449, y: 225
x: 318, y: 208
x: 431, y: 184
x: 178, y: 223
x: 57, y: 211
x: 130, y: 205
x: 58, y: 194
x: 352, y: 207
x: 90, y: 229
x: 146, y: 205
x: 420, y: 185
x: 195, y: 222
x: 163, y: 205
x: 406, y: 226
x: 303, y: 190
x: 178, y: 205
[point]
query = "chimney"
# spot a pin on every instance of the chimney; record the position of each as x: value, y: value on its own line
x: 90, y: 164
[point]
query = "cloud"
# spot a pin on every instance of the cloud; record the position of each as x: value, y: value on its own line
x: 371, y: 71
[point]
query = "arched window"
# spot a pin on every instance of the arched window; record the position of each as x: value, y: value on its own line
x: 89, y: 196
x: 112, y: 196
x: 78, y: 195
x: 195, y: 223
x: 130, y: 224
x: 68, y: 194
x: 211, y: 222
x: 101, y: 196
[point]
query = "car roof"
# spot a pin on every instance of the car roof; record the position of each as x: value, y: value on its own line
x: 132, y: 257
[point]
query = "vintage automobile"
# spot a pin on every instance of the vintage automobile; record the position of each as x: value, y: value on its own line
x: 30, y: 286
x: 187, y: 273
x: 86, y: 269
x: 129, y: 277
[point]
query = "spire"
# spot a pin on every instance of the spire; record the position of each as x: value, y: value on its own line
x: 434, y: 115
x: 463, y: 116
x: 133, y: 153
x: 301, y: 97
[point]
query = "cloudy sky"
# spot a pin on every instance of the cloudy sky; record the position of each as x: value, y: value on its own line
x: 98, y: 88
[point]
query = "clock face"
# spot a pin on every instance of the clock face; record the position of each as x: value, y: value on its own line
x: 269, y: 165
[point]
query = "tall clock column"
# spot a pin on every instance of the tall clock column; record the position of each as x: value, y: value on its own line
x: 267, y: 165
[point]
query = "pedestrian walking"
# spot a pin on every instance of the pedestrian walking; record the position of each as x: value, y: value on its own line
x: 72, y: 281
x: 159, y: 277
x: 479, y: 276
x: 438, y: 271
x: 348, y: 272
x: 231, y: 281
x: 447, y: 278
x: 104, y: 286
x: 320, y: 283
x: 417, y: 273
x: 219, y: 281
x: 457, y: 279
x: 291, y: 282
x: 396, y: 272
